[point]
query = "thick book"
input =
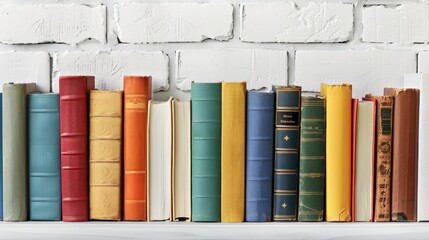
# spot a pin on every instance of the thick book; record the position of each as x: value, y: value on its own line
x: 206, y: 138
x: 181, y: 176
x: 137, y: 93
x: 233, y: 151
x: 311, y: 189
x: 405, y: 153
x: 259, y: 156
x: 105, y: 155
x: 1, y: 156
x: 160, y: 146
x: 286, y: 158
x: 44, y: 157
x: 355, y: 103
x: 338, y: 151
x: 74, y: 95
x: 15, y: 167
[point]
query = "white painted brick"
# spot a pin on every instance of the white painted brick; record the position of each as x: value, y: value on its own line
x: 406, y: 23
x: 284, y: 22
x: 423, y: 60
x: 109, y: 67
x: 173, y: 22
x: 59, y: 23
x: 261, y: 68
x: 26, y: 67
x: 368, y: 70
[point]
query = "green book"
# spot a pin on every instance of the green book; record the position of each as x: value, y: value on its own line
x: 312, y: 160
x: 206, y: 139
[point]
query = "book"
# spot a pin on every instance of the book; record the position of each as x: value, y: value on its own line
x: 137, y: 93
x: 355, y: 103
x: 74, y: 95
x: 259, y: 156
x: 311, y: 191
x: 383, y: 158
x: 181, y: 161
x: 1, y: 156
x: 286, y: 160
x: 405, y: 153
x: 15, y: 167
x: 44, y: 157
x: 338, y: 151
x: 105, y: 155
x: 365, y: 153
x: 160, y: 145
x: 233, y: 151
x: 206, y: 151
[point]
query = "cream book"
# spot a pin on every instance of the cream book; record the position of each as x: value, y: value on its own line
x: 160, y: 145
x: 181, y: 161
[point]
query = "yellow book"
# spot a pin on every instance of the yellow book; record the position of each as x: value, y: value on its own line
x: 105, y: 156
x: 233, y: 151
x: 338, y: 151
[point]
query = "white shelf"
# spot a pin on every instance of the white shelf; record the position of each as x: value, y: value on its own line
x: 161, y: 230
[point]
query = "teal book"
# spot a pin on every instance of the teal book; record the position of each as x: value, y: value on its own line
x: 206, y: 151
x: 44, y: 157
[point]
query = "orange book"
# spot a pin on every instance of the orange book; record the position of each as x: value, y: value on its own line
x: 137, y: 93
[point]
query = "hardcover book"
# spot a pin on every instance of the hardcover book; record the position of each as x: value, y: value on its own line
x: 105, y: 155
x: 74, y: 95
x: 355, y: 103
x: 44, y: 157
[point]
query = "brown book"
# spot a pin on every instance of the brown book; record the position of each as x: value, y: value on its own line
x: 404, y: 167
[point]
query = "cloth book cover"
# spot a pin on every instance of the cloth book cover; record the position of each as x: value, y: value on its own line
x: 206, y: 151
x: 74, y: 95
x: 312, y: 160
x: 286, y: 160
x: 137, y: 93
x: 338, y: 151
x: 105, y: 155
x: 44, y: 158
x: 15, y: 162
x: 259, y: 155
x: 233, y: 151
x: 355, y: 103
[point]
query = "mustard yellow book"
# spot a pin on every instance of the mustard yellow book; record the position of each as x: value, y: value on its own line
x: 105, y: 135
x: 233, y: 151
x: 338, y: 151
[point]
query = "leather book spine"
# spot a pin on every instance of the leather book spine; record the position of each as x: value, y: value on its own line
x: 137, y: 93
x: 259, y: 156
x: 74, y: 91
x: 206, y: 151
x: 44, y: 157
x: 286, y: 160
x: 105, y: 155
x: 312, y: 160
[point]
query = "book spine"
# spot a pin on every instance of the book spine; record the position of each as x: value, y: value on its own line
x: 74, y: 93
x: 1, y: 157
x: 312, y: 160
x: 286, y: 160
x: 259, y: 156
x: 355, y: 103
x: 105, y: 139
x: 206, y: 151
x: 44, y: 157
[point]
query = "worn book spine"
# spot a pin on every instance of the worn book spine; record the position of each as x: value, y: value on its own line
x: 44, y: 157
x: 1, y: 157
x: 206, y: 151
x: 105, y: 139
x: 338, y: 151
x: 259, y: 156
x: 74, y: 95
x: 137, y: 93
x: 312, y: 160
x: 286, y: 160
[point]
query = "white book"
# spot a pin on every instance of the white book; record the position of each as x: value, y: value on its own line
x: 365, y: 144
x: 421, y: 81
x: 160, y: 159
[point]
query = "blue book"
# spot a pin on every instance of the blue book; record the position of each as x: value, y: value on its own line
x: 259, y: 156
x: 1, y: 159
x: 44, y: 157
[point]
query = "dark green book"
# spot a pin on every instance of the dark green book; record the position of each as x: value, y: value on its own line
x: 206, y: 139
x: 312, y: 160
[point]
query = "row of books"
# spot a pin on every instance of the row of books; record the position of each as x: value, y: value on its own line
x: 228, y: 155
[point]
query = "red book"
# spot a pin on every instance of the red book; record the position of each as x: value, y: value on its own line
x: 74, y: 146
x: 354, y: 120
